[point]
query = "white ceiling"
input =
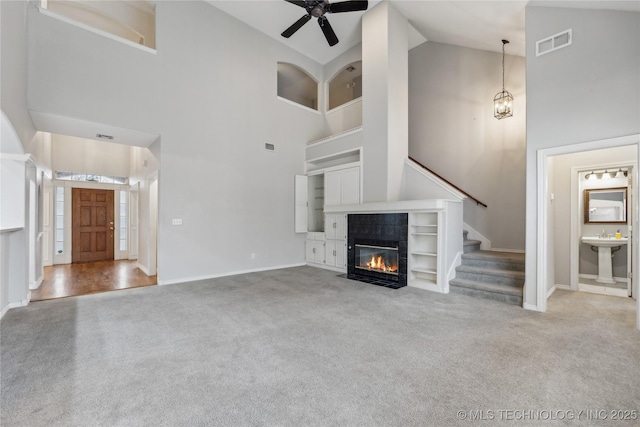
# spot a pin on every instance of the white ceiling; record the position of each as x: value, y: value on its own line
x: 478, y: 24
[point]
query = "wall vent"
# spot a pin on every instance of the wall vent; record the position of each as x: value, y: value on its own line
x: 555, y: 42
x: 103, y: 136
x: 269, y: 147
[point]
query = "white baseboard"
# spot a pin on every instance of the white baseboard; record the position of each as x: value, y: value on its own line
x: 144, y: 269
x: 231, y: 273
x: 473, y: 234
x: 531, y: 307
x: 35, y: 285
x: 551, y: 291
x: 11, y: 305
x: 603, y: 290
x: 563, y: 287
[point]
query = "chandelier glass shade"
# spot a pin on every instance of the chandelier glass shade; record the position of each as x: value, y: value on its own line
x: 503, y: 101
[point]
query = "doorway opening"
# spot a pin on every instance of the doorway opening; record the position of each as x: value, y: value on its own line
x: 558, y: 234
x: 97, y: 227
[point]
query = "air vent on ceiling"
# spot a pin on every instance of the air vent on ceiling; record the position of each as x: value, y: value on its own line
x: 555, y: 42
x: 103, y: 136
x: 269, y: 147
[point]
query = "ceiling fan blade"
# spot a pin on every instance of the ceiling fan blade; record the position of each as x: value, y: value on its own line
x: 296, y: 26
x: 300, y: 3
x: 347, y: 6
x: 331, y: 37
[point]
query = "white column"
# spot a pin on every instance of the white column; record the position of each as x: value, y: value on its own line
x: 384, y: 102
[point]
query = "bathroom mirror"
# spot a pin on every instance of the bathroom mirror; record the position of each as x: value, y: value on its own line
x: 605, y: 205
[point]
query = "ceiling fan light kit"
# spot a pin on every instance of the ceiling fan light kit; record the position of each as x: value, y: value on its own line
x: 317, y: 9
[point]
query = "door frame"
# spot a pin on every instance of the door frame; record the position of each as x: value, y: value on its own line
x: 111, y: 225
x: 68, y: 186
x: 542, y: 220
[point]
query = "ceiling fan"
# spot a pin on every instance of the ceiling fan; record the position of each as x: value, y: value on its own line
x: 317, y: 9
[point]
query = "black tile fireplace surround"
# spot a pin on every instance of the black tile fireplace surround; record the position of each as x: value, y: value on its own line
x: 384, y: 230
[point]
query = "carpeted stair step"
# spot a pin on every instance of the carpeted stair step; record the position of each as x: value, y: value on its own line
x: 469, y: 245
x: 507, y: 294
x: 499, y: 277
x: 490, y: 274
x: 495, y: 260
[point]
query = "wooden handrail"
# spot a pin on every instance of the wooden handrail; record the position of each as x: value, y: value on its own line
x: 448, y: 182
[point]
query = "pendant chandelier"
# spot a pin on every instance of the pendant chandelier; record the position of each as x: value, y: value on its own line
x: 503, y: 101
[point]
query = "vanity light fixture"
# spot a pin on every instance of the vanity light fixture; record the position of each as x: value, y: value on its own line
x: 503, y: 101
x: 621, y: 173
x: 606, y: 174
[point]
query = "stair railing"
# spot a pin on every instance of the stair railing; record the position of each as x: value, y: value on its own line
x: 448, y: 182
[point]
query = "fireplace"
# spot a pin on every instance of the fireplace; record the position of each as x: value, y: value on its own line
x: 377, y: 249
x: 378, y: 259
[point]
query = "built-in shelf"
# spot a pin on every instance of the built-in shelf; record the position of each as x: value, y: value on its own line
x: 423, y: 247
x: 335, y: 136
x: 418, y: 253
x: 424, y: 270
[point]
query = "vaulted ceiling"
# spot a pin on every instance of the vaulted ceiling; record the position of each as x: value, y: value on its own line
x: 477, y: 24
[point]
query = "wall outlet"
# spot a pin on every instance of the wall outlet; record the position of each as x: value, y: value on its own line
x: 253, y: 255
x: 176, y: 221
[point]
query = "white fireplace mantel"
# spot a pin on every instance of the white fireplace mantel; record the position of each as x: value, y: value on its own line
x: 402, y: 206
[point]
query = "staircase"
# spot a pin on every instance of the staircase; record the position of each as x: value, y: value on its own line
x: 489, y: 274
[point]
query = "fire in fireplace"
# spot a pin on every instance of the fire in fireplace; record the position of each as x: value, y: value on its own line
x: 377, y: 248
x: 377, y: 258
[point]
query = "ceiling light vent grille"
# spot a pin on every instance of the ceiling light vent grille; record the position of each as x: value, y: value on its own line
x: 555, y: 42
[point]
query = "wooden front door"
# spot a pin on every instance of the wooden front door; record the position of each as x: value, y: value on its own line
x: 92, y: 225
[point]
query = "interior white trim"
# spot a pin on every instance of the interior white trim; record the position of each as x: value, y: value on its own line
x: 345, y: 105
x: 551, y: 291
x: 334, y: 137
x: 231, y: 273
x: 11, y: 305
x: 102, y: 33
x: 298, y: 105
x: 603, y: 290
x: 473, y: 234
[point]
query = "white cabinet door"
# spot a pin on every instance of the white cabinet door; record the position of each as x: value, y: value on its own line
x: 350, y: 186
x: 340, y: 226
x: 341, y: 254
x: 330, y: 253
x: 335, y: 226
x: 315, y: 251
x: 333, y: 188
x: 301, y: 203
x: 342, y: 187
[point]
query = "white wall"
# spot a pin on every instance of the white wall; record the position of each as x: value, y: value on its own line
x: 212, y: 98
x: 119, y: 18
x: 453, y: 132
x: 593, y: 87
x: 71, y: 154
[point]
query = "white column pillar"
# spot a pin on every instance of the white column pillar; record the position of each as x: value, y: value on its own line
x: 385, y: 101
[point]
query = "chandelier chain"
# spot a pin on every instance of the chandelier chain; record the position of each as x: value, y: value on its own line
x: 503, y: 43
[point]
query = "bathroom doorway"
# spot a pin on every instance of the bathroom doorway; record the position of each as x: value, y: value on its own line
x: 559, y: 210
x: 602, y: 193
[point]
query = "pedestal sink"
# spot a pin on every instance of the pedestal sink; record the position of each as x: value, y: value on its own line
x: 604, y: 245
